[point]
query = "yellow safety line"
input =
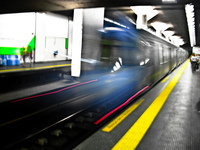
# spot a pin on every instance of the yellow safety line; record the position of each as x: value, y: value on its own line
x: 121, y: 117
x: 34, y: 68
x: 135, y: 134
x: 165, y: 79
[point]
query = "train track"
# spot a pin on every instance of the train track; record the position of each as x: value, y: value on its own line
x: 55, y: 129
x: 68, y: 132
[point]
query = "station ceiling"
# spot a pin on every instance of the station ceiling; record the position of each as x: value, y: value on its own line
x: 170, y: 11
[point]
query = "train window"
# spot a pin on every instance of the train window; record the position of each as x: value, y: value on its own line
x: 106, y: 53
x: 129, y: 54
x: 165, y: 55
x: 172, y: 53
x: 131, y: 57
x: 161, y: 54
x: 145, y: 52
x: 110, y: 54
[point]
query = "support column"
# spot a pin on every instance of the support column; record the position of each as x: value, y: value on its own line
x: 77, y: 42
x: 144, y: 13
x: 86, y: 38
x: 159, y: 32
x: 93, y: 19
x: 40, y: 37
x: 141, y: 22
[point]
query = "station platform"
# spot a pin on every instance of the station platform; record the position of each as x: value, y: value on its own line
x: 23, y: 76
x: 34, y: 66
x: 166, y: 117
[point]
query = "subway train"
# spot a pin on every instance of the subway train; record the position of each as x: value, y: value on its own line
x: 135, y: 53
x: 132, y: 60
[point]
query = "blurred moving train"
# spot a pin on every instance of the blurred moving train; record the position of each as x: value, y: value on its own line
x: 130, y: 59
x: 127, y: 52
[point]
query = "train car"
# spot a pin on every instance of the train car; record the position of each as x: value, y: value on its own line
x: 131, y: 60
x: 131, y: 53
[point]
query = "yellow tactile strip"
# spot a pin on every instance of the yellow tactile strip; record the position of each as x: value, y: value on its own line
x: 34, y: 68
x: 135, y: 134
x: 121, y: 117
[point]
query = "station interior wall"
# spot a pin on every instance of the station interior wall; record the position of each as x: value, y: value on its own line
x: 50, y: 31
x: 16, y: 29
x: 196, y: 50
x: 51, y: 35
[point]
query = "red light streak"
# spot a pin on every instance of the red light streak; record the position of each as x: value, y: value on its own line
x: 53, y: 91
x: 114, y: 110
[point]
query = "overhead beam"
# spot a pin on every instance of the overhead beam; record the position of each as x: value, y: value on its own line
x: 12, y: 6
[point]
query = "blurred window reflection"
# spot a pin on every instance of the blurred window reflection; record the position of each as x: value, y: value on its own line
x: 161, y: 54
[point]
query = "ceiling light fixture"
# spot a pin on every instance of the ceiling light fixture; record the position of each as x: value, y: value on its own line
x: 117, y: 23
x: 189, y: 9
x: 144, y: 13
x: 161, y: 26
x: 168, y: 33
x: 177, y: 40
x: 147, y: 10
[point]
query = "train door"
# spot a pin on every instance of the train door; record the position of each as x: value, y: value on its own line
x: 173, y: 58
x: 177, y: 57
x: 158, y: 61
x: 147, y: 61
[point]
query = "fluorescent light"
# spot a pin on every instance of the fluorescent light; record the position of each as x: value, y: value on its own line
x: 141, y: 63
x: 147, y: 60
x: 161, y: 26
x: 177, y: 40
x: 117, y: 23
x: 112, y: 29
x: 117, y: 65
x: 131, y: 20
x: 146, y: 10
x: 189, y: 9
x: 120, y: 60
x: 168, y: 33
x: 175, y: 37
x: 144, y: 13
